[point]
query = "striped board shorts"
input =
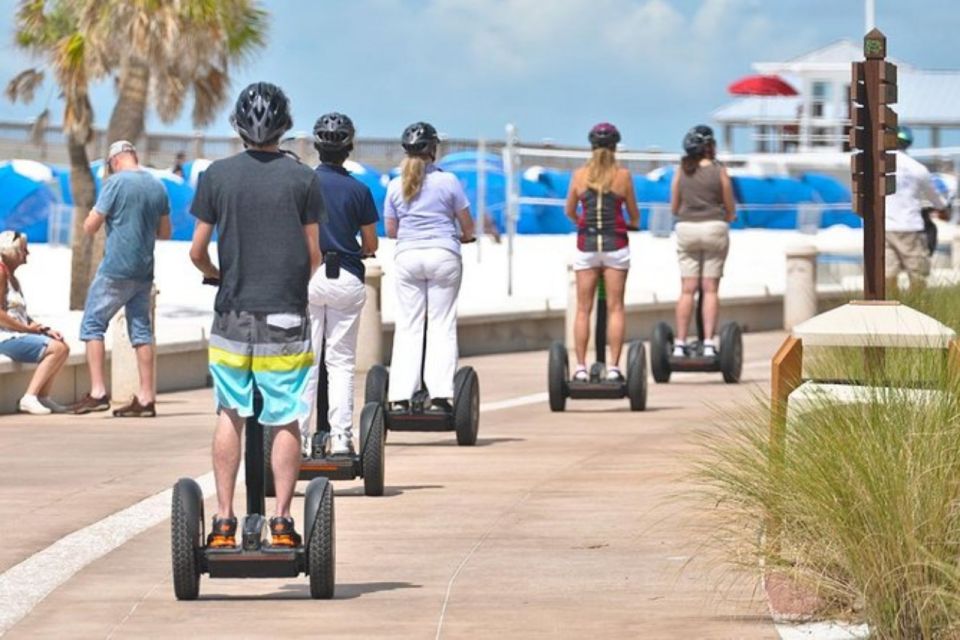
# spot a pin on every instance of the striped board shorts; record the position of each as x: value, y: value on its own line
x: 269, y: 351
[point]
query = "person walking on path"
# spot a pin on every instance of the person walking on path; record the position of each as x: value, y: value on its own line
x: 265, y: 207
x: 602, y: 189
x: 22, y: 339
x: 134, y: 206
x: 905, y: 243
x: 701, y: 198
x: 336, y: 293
x: 428, y: 213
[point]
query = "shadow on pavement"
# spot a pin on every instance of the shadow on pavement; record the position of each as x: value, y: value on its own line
x: 452, y: 442
x: 388, y: 490
x: 301, y: 591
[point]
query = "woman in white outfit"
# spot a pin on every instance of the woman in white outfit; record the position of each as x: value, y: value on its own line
x: 336, y: 291
x: 428, y: 213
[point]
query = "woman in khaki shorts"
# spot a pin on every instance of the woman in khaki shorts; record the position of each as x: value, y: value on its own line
x: 701, y: 197
x: 602, y: 189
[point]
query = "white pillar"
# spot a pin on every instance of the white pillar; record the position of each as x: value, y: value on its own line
x: 800, y: 293
x: 370, y: 331
x: 955, y: 249
x: 124, y: 375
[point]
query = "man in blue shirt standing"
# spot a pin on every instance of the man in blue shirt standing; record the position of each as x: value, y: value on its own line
x: 336, y: 293
x: 134, y: 206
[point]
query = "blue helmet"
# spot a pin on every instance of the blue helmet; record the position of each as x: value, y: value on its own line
x: 904, y: 137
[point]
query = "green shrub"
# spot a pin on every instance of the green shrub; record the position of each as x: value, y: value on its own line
x: 868, y: 496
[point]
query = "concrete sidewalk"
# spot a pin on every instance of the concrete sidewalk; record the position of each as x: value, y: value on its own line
x: 555, y: 525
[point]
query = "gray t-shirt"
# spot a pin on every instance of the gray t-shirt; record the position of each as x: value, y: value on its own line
x: 132, y: 202
x: 259, y: 202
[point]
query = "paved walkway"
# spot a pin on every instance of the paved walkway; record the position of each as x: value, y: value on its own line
x: 555, y: 525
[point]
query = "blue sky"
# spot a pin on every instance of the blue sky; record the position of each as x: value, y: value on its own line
x: 553, y: 67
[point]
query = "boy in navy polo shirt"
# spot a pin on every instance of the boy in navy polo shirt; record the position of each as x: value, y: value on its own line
x: 336, y: 292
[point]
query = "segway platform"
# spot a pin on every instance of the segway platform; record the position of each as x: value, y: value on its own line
x: 561, y: 386
x: 253, y: 557
x: 728, y: 361
x: 421, y: 415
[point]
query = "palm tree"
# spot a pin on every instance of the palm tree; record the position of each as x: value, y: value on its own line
x: 164, y: 50
x: 51, y: 33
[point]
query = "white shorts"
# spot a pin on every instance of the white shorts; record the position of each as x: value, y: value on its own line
x: 619, y: 259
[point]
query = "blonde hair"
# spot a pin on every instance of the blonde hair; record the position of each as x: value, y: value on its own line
x: 11, y: 243
x: 413, y: 170
x: 601, y: 169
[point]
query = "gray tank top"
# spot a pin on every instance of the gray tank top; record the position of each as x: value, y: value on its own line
x: 701, y: 195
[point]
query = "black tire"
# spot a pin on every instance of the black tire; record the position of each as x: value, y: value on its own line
x: 637, y: 376
x: 661, y: 343
x: 269, y: 488
x: 378, y: 379
x: 558, y: 372
x: 319, y: 523
x: 372, y: 452
x: 186, y: 538
x: 731, y: 352
x: 466, y: 406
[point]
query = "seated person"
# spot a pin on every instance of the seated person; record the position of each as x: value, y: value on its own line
x: 21, y: 338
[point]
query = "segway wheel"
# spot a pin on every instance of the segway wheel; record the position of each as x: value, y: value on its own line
x: 186, y: 537
x: 661, y: 343
x: 558, y: 373
x: 269, y: 488
x: 378, y: 378
x: 466, y: 406
x: 637, y: 376
x: 731, y: 352
x: 318, y: 521
x: 371, y: 448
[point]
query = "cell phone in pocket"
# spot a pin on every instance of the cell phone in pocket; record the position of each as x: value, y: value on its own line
x: 331, y: 260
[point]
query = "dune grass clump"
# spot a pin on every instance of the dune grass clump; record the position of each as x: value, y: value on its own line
x: 864, y: 511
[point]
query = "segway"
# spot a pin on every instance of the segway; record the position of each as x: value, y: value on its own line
x: 254, y: 557
x: 729, y: 361
x: 367, y: 464
x: 561, y: 386
x: 419, y: 414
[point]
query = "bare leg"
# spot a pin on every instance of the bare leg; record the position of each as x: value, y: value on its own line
x: 95, y: 358
x: 226, y: 459
x: 285, y: 461
x: 711, y: 307
x: 615, y: 281
x: 53, y: 359
x: 688, y: 287
x: 145, y: 369
x: 586, y: 288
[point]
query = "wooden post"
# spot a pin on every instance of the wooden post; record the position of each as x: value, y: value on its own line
x: 786, y: 375
x: 873, y: 134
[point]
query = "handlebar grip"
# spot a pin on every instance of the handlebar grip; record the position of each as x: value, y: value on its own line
x: 214, y: 282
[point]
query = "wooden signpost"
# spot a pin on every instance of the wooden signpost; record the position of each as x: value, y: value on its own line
x: 873, y: 165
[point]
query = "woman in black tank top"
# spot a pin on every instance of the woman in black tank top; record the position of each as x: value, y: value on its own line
x: 602, y: 191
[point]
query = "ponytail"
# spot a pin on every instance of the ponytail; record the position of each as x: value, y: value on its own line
x: 413, y: 171
x: 601, y: 169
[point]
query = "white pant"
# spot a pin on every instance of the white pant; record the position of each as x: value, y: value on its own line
x: 428, y: 281
x: 335, y: 307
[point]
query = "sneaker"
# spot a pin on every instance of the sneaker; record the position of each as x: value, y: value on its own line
x: 55, y: 407
x: 223, y: 533
x: 441, y: 404
x: 679, y: 351
x: 282, y: 533
x: 401, y: 406
x: 134, y: 409
x: 709, y: 350
x: 33, y: 406
x: 614, y: 375
x: 342, y: 446
x: 581, y: 375
x: 88, y: 403
x: 305, y: 447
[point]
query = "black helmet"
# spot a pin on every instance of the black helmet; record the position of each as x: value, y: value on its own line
x: 333, y: 132
x: 604, y: 135
x: 420, y: 138
x: 262, y: 114
x: 698, y: 139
